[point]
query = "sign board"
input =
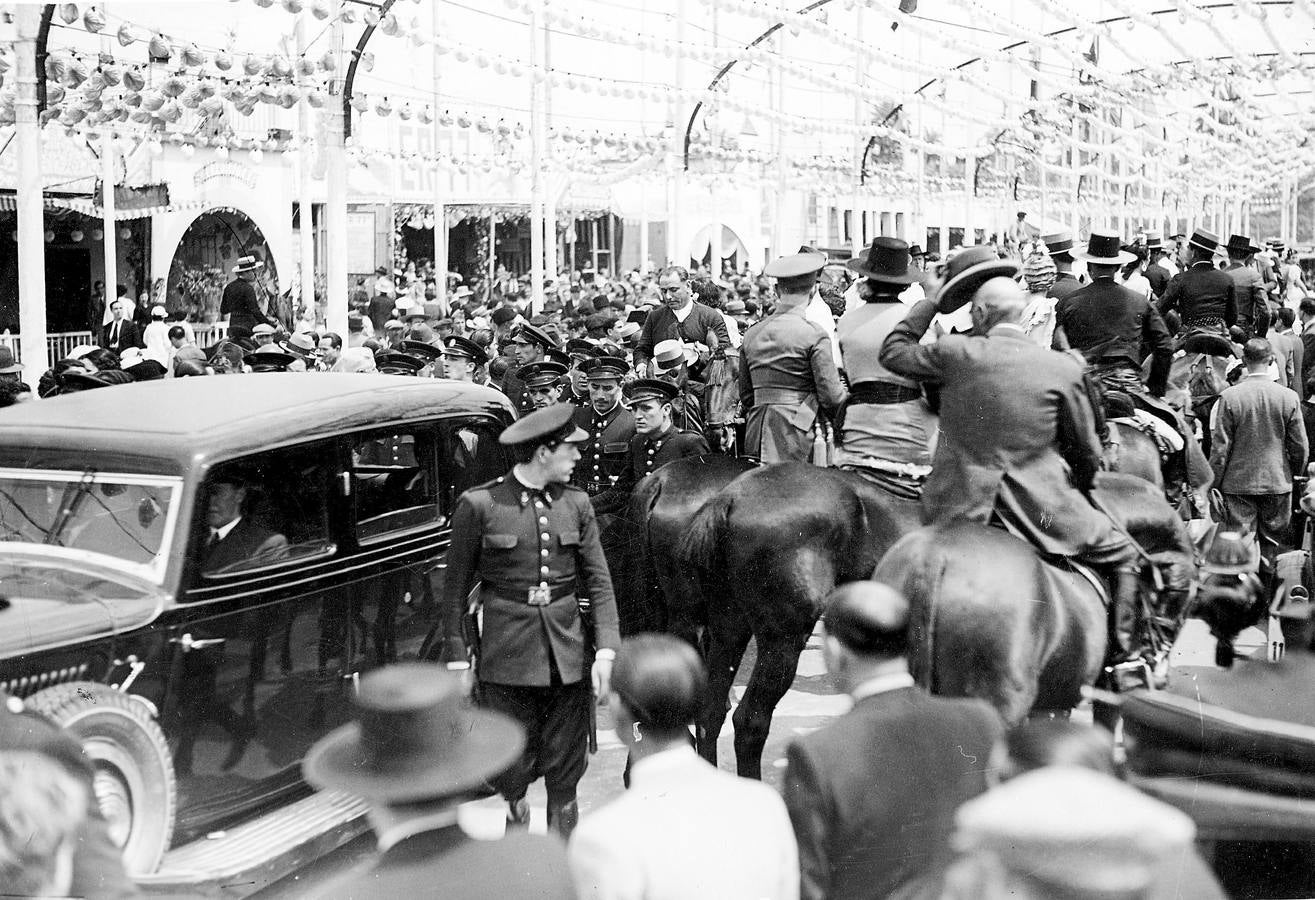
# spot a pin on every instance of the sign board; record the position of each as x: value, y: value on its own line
x: 360, y: 242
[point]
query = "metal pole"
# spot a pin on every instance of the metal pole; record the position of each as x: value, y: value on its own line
x: 782, y: 176
x: 550, y: 193
x: 493, y: 254
x: 860, y: 144
x: 536, y: 165
x: 440, y: 210
x: 31, y: 201
x: 108, y: 175
x: 335, y: 288
x: 306, y: 234
x: 677, y: 247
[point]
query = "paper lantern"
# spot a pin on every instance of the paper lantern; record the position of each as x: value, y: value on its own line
x: 329, y: 61
x: 320, y: 9
x: 133, y: 79
x: 159, y: 47
x: 281, y: 66
x: 97, y: 234
x: 50, y: 237
x: 173, y: 86
x: 192, y: 56
x: 254, y: 64
x: 223, y: 60
x: 125, y: 233
x: 305, y: 67
x: 294, y: 6
x: 68, y: 12
x: 93, y: 19
x: 125, y: 35
x: 112, y: 73
x: 317, y: 98
x: 76, y: 236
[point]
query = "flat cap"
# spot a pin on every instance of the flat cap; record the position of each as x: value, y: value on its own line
x: 544, y: 426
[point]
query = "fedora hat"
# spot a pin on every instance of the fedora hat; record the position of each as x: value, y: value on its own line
x: 7, y: 364
x: 1059, y: 243
x: 1204, y: 240
x: 968, y: 270
x: 1103, y: 247
x: 248, y: 264
x: 668, y: 354
x: 886, y: 260
x: 414, y: 737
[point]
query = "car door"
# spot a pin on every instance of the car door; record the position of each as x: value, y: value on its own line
x: 260, y: 650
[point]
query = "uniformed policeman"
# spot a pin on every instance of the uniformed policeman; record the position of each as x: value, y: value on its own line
x: 580, y: 352
x: 431, y: 356
x: 528, y: 344
x: 462, y: 358
x: 656, y: 442
x: 609, y: 424
x: 543, y: 382
x: 395, y: 362
x: 527, y: 539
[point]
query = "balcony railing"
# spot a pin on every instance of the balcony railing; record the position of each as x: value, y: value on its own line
x: 61, y: 343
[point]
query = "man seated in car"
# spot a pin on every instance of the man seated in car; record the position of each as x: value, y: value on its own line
x: 237, y: 541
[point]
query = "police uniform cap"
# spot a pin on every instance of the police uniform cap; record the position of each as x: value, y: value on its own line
x: 605, y: 368
x: 393, y: 362
x: 456, y: 345
x: 532, y: 334
x: 545, y: 373
x: 580, y: 349
x: 552, y: 424
x: 552, y: 354
x: 796, y: 265
x: 643, y: 389
x: 421, y: 349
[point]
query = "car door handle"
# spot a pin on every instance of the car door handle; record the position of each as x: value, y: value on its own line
x: 189, y: 643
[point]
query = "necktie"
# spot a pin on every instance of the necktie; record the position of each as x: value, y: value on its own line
x: 114, y: 333
x: 214, y: 538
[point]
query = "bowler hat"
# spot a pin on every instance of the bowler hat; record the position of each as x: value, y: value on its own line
x: 968, y: 270
x: 1103, y: 249
x: 643, y: 389
x: 796, y: 265
x: 886, y: 260
x: 548, y: 425
x: 414, y: 738
x: 1204, y: 240
x: 1058, y: 244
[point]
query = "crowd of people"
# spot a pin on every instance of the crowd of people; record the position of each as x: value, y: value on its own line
x: 984, y: 388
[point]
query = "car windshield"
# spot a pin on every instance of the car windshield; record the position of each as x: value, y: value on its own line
x: 127, y: 518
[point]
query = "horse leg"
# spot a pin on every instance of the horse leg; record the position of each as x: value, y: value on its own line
x: 727, y: 637
x: 773, y: 673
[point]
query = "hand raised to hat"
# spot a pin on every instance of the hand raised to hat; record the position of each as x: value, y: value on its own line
x: 932, y: 281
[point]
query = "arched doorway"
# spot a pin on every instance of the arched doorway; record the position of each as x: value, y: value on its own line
x: 203, y: 263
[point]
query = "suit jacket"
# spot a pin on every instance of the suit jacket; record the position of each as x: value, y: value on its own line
x: 1065, y: 284
x: 129, y: 336
x: 1297, y: 353
x: 1252, y: 300
x: 603, y: 456
x: 1308, y: 361
x: 686, y: 830
x: 247, y: 545
x: 445, y: 863
x: 510, y: 539
x: 517, y: 392
x: 1201, y: 291
x: 1259, y: 438
x: 872, y: 795
x: 648, y: 453
x: 1017, y: 434
x: 1110, y: 323
x: 240, y: 305
x: 661, y: 325
x: 1159, y: 277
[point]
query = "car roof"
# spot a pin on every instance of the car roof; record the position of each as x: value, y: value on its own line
x: 182, y: 421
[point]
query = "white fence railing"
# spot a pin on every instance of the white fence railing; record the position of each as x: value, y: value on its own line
x: 61, y: 343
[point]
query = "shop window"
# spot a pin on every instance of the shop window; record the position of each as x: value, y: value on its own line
x: 393, y: 481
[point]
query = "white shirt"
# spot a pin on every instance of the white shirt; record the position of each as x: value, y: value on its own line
x: 686, y: 830
x: 892, y: 681
x: 156, y: 339
x: 222, y: 531
x: 129, y: 309
x: 683, y: 313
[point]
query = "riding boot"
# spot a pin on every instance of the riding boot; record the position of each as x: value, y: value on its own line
x: 1127, y: 640
x: 563, y: 819
x: 518, y: 813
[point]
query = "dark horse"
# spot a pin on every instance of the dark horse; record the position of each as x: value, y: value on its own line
x: 760, y: 557
x: 991, y: 619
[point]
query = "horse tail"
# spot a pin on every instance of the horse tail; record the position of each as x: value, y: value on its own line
x: 700, y: 548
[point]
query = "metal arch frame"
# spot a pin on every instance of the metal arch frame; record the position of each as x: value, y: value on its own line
x: 349, y: 82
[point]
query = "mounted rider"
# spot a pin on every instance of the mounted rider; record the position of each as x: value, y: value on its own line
x: 1018, y: 444
x: 1205, y: 298
x: 885, y: 427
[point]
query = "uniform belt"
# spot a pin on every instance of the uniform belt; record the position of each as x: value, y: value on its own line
x: 882, y: 393
x: 779, y: 395
x: 519, y: 593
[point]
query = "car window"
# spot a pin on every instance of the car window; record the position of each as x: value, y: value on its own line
x: 472, y: 456
x: 266, y: 510
x: 393, y: 481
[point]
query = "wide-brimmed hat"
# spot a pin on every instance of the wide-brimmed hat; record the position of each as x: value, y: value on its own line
x: 1205, y: 240
x: 7, y: 364
x: 1103, y: 248
x: 968, y: 270
x: 887, y: 260
x: 269, y: 358
x: 415, y: 737
x: 669, y: 354
x: 301, y: 344
x: 462, y: 292
x: 248, y: 264
x: 1059, y: 243
x: 915, y: 251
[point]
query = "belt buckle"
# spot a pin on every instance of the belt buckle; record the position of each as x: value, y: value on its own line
x: 538, y: 596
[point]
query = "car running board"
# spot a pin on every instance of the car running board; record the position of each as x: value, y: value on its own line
x: 254, y: 855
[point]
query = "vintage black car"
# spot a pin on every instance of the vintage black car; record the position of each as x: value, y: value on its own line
x: 198, y: 657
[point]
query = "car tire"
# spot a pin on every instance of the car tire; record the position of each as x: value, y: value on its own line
x: 133, y: 769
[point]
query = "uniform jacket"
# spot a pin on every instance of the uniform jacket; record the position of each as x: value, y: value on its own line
x: 240, y: 305
x: 1110, y: 323
x: 686, y: 830
x: 648, y: 453
x: 1199, y: 292
x: 1252, y: 300
x: 247, y: 544
x: 1017, y: 431
x: 872, y: 795
x: 787, y: 372
x: 445, y: 863
x: 604, y: 455
x: 1159, y: 277
x: 129, y: 336
x: 517, y: 392
x: 661, y: 325
x: 1259, y: 438
x: 1065, y: 284
x: 509, y: 539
